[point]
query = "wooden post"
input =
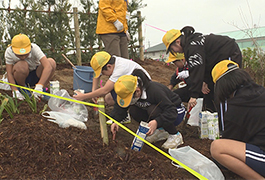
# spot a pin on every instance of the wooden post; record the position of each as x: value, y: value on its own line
x: 1, y: 63
x: 77, y: 37
x: 102, y: 122
x: 140, y: 35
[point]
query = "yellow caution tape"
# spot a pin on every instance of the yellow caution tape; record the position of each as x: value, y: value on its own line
x: 119, y: 124
x: 157, y: 149
x: 52, y: 95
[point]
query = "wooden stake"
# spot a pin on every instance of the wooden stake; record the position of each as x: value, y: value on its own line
x: 140, y: 35
x: 102, y: 122
x: 77, y: 37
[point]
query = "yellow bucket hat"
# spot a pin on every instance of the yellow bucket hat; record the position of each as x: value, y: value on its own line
x: 99, y: 60
x: 170, y: 36
x: 125, y: 87
x: 21, y: 44
x: 222, y: 68
x: 174, y: 57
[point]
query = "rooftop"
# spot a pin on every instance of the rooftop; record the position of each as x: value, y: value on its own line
x: 239, y: 36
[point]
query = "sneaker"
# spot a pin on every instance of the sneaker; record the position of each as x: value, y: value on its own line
x: 158, y: 135
x: 173, y: 141
x: 109, y: 122
x: 126, y: 120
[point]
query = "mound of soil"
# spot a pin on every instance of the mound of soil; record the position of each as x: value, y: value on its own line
x: 33, y: 148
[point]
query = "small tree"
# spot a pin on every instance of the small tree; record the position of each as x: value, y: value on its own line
x: 253, y: 58
x: 54, y: 33
x: 133, y: 24
x: 88, y: 24
x: 253, y: 62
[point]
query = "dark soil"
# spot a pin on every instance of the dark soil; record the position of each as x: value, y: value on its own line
x: 33, y: 148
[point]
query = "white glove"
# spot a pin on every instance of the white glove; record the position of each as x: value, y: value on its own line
x: 18, y: 95
x: 118, y: 25
x: 183, y: 74
x: 128, y: 36
x: 38, y: 87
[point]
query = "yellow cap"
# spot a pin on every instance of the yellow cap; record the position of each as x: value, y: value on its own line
x: 222, y: 68
x: 21, y: 44
x: 99, y: 60
x: 170, y: 36
x: 174, y: 57
x: 125, y: 87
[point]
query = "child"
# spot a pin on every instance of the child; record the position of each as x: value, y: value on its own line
x: 151, y: 102
x: 113, y: 67
x: 201, y: 52
x: 242, y: 147
x: 27, y: 64
x: 181, y: 75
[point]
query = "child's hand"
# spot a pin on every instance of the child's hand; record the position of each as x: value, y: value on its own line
x: 152, y: 127
x: 79, y: 96
x: 114, y: 128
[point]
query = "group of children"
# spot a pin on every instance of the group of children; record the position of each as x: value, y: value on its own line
x: 214, y: 64
x: 208, y: 64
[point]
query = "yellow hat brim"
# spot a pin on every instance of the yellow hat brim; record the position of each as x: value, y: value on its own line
x: 97, y: 73
x: 174, y: 57
x: 170, y: 37
x: 21, y: 51
x: 124, y: 102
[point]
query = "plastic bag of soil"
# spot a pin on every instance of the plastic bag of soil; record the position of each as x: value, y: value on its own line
x: 3, y: 85
x: 76, y: 110
x: 196, y: 161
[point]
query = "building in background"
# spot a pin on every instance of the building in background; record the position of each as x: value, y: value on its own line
x: 157, y: 52
x: 245, y: 38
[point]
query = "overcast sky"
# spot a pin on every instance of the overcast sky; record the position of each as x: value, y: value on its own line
x: 206, y: 16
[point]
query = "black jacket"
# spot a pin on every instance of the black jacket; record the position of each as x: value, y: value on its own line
x: 174, y: 80
x: 203, y: 52
x: 157, y: 94
x: 245, y: 117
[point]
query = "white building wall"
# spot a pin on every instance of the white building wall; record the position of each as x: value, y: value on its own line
x: 161, y: 55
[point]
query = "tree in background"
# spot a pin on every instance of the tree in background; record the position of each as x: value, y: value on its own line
x: 55, y: 28
x: 88, y: 24
x: 133, y: 24
x: 48, y: 23
x: 254, y: 57
x: 50, y: 30
x: 254, y: 63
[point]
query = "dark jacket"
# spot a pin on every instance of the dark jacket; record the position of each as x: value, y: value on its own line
x: 203, y: 52
x: 174, y: 80
x: 157, y: 94
x: 245, y: 116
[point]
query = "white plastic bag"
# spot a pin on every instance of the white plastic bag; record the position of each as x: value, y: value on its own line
x: 76, y: 110
x: 196, y: 161
x: 194, y: 113
x: 63, y: 120
x: 3, y: 85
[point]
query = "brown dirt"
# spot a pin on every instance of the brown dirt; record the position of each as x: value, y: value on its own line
x: 33, y: 148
